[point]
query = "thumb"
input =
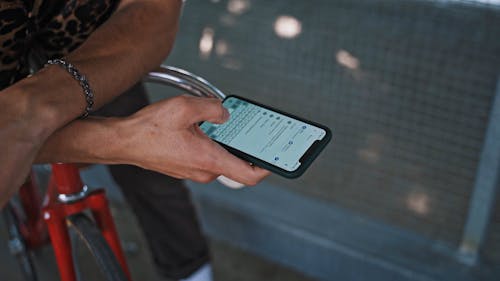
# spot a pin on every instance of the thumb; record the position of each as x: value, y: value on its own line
x: 206, y: 109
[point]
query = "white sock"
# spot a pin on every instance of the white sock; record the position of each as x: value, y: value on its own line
x: 203, y: 273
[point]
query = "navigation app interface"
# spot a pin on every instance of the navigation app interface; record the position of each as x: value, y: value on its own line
x: 264, y: 134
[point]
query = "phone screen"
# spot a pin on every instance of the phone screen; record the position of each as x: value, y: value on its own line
x: 275, y: 138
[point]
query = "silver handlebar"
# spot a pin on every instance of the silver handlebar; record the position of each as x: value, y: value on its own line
x: 183, y: 80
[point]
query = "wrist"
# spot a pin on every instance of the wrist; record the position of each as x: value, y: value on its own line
x: 54, y: 98
x: 116, y: 138
x: 121, y: 148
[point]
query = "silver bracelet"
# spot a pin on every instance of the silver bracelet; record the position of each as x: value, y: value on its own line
x: 71, y: 69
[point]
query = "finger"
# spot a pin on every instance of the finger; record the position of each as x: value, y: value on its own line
x: 237, y: 169
x: 250, y: 178
x: 205, y: 109
x: 203, y: 177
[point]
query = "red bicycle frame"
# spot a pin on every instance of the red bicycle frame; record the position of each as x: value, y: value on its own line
x: 66, y: 196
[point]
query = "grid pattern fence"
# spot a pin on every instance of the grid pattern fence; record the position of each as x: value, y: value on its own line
x: 406, y: 87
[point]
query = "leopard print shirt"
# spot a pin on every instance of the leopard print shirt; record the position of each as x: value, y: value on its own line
x: 45, y: 29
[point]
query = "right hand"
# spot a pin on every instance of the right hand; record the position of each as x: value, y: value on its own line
x: 165, y: 137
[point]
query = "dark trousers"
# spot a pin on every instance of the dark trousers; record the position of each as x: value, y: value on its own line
x: 162, y: 204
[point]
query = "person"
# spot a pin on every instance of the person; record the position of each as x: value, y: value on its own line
x: 112, y: 43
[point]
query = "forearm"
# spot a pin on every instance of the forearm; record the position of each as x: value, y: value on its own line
x: 136, y: 38
x: 94, y: 140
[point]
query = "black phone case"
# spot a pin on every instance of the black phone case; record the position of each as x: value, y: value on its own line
x: 306, y: 160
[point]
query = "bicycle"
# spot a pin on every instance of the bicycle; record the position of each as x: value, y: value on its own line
x: 68, y: 198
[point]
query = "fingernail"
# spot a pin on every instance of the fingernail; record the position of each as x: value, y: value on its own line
x: 226, y: 114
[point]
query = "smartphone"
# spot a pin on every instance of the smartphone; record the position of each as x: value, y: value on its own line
x: 269, y: 138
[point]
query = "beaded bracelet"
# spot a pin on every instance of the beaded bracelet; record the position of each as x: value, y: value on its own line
x: 71, y: 69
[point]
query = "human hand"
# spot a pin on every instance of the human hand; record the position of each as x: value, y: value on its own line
x: 165, y: 137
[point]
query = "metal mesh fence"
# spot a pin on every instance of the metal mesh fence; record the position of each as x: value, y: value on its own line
x: 406, y: 87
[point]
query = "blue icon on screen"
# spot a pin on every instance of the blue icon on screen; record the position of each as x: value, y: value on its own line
x: 290, y: 142
x: 276, y: 158
x: 304, y: 127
